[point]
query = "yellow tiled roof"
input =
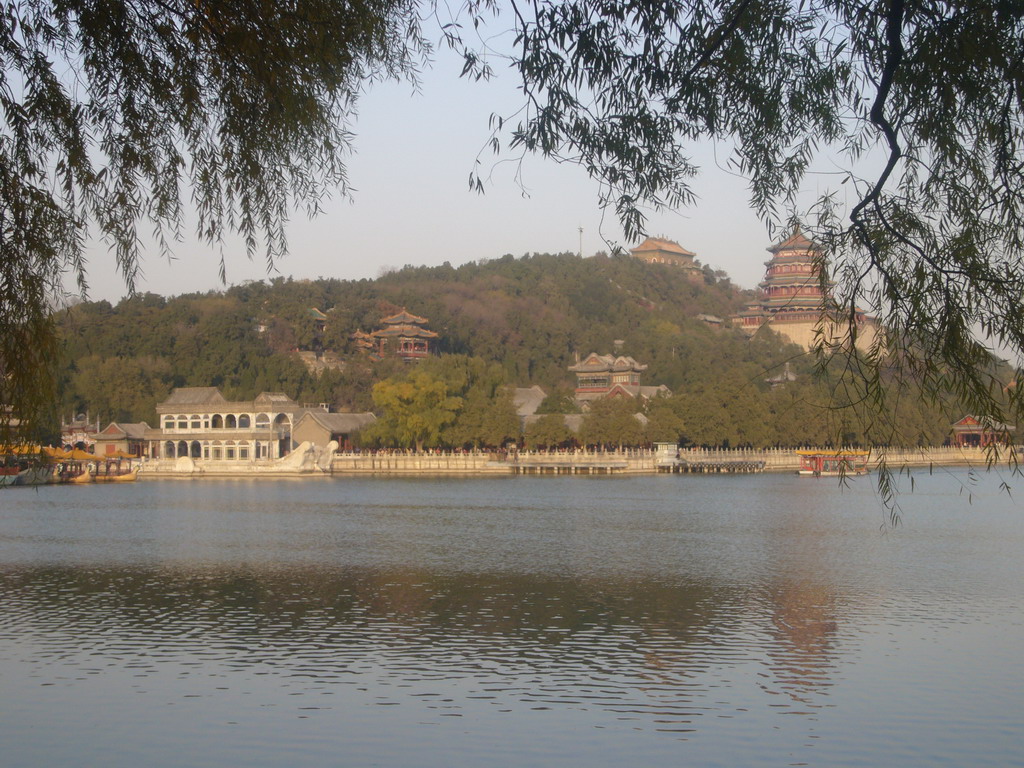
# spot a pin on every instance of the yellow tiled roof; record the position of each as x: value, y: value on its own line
x: 661, y: 244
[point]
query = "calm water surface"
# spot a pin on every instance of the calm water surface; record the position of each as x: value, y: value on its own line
x: 658, y: 621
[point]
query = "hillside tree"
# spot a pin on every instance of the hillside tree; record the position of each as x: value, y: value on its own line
x: 913, y: 107
x: 115, y: 113
x: 115, y: 109
x: 415, y: 410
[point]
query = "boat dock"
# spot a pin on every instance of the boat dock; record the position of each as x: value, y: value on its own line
x: 720, y: 466
x: 569, y: 468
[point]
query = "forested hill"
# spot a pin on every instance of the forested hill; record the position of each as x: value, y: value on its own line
x: 525, y: 318
x: 531, y: 314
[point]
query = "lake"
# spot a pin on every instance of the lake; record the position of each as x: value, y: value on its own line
x: 759, y: 620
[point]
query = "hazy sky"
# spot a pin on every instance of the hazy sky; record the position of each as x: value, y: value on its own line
x: 412, y: 205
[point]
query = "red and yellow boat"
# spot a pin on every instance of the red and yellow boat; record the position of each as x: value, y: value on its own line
x: 839, y: 463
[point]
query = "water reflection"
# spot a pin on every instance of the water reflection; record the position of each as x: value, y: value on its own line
x: 804, y: 607
x: 639, y: 651
x: 566, y: 625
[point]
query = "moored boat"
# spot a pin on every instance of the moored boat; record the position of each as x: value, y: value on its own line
x: 86, y: 475
x: 124, y: 476
x: 34, y: 465
x: 839, y: 463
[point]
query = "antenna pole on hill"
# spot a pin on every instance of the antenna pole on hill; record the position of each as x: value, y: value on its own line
x: 581, y: 242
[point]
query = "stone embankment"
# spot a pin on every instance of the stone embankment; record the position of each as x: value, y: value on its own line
x: 787, y: 459
x: 628, y: 461
x: 413, y: 463
x: 571, y: 462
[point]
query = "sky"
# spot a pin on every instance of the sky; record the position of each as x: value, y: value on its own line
x: 411, y: 204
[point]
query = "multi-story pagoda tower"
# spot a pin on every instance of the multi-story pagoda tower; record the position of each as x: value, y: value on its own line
x: 792, y: 300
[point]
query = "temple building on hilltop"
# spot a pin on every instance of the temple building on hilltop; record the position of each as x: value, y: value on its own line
x: 600, y: 376
x: 658, y: 250
x: 319, y: 319
x: 404, y: 335
x: 792, y: 300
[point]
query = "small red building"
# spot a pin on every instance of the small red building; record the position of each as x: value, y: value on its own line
x: 122, y: 436
x: 979, y: 431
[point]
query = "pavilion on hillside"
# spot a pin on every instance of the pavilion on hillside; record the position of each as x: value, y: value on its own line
x: 404, y: 335
x: 319, y: 319
x: 364, y: 342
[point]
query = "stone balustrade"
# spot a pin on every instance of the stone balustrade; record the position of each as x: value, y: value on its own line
x: 578, y: 461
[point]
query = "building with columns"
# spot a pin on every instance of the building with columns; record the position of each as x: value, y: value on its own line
x: 200, y: 423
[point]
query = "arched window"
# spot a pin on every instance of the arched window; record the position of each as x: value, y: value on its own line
x: 182, y: 448
x: 243, y: 421
x: 262, y: 421
x: 218, y: 422
x: 169, y: 450
x: 230, y: 421
x: 197, y: 423
x: 196, y: 450
x: 168, y: 422
x: 182, y: 422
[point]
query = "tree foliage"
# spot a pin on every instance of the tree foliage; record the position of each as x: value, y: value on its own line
x: 487, y: 416
x: 612, y: 422
x: 119, y: 361
x: 414, y: 409
x: 915, y: 105
x: 115, y: 113
x: 549, y: 431
x: 665, y: 422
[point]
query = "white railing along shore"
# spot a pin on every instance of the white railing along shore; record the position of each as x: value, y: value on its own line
x: 625, y: 460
